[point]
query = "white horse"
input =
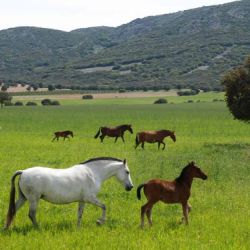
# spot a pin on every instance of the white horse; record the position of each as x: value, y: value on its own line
x: 79, y: 183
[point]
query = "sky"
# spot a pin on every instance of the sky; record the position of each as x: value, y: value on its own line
x: 72, y: 14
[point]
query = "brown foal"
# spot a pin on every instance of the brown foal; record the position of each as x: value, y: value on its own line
x: 177, y: 191
x: 64, y: 134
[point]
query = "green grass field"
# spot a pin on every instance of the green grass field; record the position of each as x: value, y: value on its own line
x: 206, y: 133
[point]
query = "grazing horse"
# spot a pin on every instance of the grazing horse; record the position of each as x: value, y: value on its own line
x: 114, y: 132
x: 79, y: 183
x: 154, y: 136
x: 177, y: 191
x: 64, y: 134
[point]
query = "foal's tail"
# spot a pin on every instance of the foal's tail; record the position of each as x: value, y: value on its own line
x: 98, y: 132
x: 12, y: 208
x: 138, y: 192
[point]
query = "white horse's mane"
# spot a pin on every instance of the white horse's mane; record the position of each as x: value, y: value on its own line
x: 101, y: 159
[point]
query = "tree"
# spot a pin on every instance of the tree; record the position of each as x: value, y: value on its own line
x: 237, y: 87
x: 4, y: 97
x: 4, y: 88
x: 51, y: 87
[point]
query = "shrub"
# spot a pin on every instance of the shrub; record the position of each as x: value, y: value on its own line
x: 18, y: 103
x: 187, y: 93
x: 31, y: 104
x: 87, y: 97
x: 190, y: 101
x: 122, y: 91
x: 5, y: 97
x: 46, y: 102
x: 8, y: 103
x: 237, y: 87
x: 161, y: 101
x: 54, y: 103
x: 51, y: 87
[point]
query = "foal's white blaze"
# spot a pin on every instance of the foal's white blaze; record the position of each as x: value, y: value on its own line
x: 79, y: 183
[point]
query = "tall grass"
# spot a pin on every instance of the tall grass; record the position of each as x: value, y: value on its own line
x: 206, y: 133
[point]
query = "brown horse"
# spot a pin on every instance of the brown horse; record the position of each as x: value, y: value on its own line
x: 154, y: 136
x: 64, y: 134
x: 114, y: 132
x: 177, y: 191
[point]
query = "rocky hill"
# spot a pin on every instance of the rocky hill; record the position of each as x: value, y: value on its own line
x: 187, y: 48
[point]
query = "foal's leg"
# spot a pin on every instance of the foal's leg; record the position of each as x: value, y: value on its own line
x: 147, y: 208
x: 32, y: 212
x: 185, y: 209
x: 80, y: 212
x: 159, y: 145
x: 116, y: 138
x: 142, y: 145
x: 137, y: 144
x: 163, y: 145
x: 122, y: 138
x: 102, y: 137
x: 149, y: 216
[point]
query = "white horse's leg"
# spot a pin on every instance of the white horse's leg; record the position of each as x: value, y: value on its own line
x: 32, y: 212
x: 103, y: 207
x: 19, y: 203
x: 80, y: 212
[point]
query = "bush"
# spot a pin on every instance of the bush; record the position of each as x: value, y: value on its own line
x: 8, y: 103
x: 190, y: 101
x: 31, y: 104
x: 237, y: 87
x: 122, y: 91
x: 5, y: 97
x: 55, y: 103
x: 46, y: 102
x: 87, y: 97
x: 51, y: 87
x: 18, y: 103
x: 161, y: 101
x: 187, y: 93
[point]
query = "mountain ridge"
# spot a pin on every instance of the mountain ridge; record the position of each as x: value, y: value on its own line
x: 191, y: 48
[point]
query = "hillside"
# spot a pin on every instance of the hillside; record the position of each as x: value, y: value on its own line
x: 188, y: 48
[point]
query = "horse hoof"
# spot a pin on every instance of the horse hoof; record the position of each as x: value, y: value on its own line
x: 99, y: 222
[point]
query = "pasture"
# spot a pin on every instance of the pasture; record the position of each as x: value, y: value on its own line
x: 205, y: 132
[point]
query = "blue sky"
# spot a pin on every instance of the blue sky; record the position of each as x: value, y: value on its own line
x: 72, y: 14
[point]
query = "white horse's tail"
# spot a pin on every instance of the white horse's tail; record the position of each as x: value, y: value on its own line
x: 12, y: 208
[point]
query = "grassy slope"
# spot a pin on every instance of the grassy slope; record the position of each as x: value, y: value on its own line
x: 205, y: 133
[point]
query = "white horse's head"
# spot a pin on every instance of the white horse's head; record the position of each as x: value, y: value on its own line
x: 123, y: 176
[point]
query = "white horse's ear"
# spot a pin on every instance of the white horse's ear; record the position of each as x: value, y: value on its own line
x: 124, y: 161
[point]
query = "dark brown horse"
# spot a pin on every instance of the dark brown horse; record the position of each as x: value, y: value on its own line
x: 114, y: 132
x: 153, y: 136
x: 64, y: 134
x: 177, y: 191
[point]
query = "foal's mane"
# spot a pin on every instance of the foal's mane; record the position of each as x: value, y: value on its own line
x: 101, y: 159
x: 182, y: 175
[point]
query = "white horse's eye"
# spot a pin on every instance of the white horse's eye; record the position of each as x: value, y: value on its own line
x: 127, y: 172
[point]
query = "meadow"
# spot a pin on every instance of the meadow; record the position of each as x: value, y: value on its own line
x: 206, y: 133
